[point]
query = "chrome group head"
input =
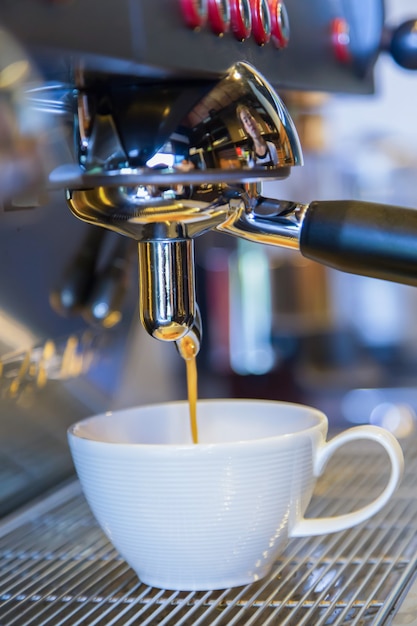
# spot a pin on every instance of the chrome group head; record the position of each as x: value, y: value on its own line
x: 164, y: 163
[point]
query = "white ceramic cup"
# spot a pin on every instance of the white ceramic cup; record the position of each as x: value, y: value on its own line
x: 216, y: 514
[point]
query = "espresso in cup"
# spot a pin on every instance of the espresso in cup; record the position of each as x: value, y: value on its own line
x: 217, y: 514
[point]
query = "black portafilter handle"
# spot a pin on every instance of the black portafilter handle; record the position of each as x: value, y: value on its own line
x: 363, y: 238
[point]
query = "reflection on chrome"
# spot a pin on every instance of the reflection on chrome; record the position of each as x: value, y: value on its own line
x: 23, y: 156
x: 192, y: 132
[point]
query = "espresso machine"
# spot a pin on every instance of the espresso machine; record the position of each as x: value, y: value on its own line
x: 125, y: 115
x: 157, y: 152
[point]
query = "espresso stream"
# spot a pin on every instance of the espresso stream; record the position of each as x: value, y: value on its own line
x: 189, y: 353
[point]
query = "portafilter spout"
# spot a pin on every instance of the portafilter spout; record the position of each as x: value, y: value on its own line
x: 164, y: 226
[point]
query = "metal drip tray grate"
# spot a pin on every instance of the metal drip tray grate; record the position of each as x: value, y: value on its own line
x: 58, y: 568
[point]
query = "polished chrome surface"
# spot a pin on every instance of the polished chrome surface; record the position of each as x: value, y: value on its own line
x: 154, y: 164
x: 153, y: 213
x: 163, y: 221
x: 265, y: 220
x: 192, y: 132
x: 154, y: 161
x: 57, y: 567
x: 73, y: 177
x: 150, y: 212
x: 167, y: 290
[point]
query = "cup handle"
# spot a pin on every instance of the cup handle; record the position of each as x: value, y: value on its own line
x: 323, y: 525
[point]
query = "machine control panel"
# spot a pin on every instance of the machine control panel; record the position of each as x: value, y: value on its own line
x: 264, y: 20
x: 323, y: 45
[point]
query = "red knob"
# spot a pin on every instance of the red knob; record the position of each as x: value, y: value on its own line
x: 261, y: 21
x: 240, y: 19
x: 280, y: 26
x: 194, y: 12
x: 219, y: 16
x: 341, y: 39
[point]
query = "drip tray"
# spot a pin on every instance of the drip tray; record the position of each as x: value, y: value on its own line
x: 57, y: 567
